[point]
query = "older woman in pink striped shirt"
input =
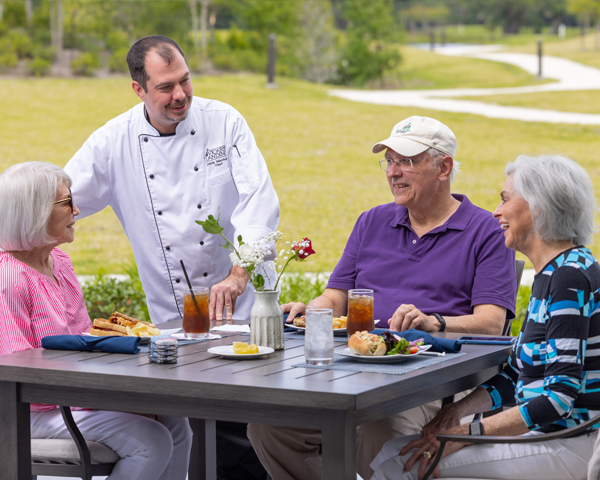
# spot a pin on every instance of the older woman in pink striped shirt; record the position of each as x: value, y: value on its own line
x: 40, y: 295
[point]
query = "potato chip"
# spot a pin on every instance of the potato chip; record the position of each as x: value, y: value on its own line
x: 141, y: 330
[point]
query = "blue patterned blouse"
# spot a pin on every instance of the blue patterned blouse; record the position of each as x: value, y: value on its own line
x: 553, y: 373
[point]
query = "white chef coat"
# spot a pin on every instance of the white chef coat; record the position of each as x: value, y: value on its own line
x: 159, y: 186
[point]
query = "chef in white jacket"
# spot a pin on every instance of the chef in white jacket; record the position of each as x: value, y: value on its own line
x: 167, y: 162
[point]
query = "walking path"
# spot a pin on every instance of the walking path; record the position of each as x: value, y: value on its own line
x: 570, y: 76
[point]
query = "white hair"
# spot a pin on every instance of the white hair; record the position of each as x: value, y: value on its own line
x: 560, y: 195
x: 436, y: 157
x: 27, y: 191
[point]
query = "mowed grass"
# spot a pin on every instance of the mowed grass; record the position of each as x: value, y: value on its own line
x: 422, y: 69
x: 586, y: 51
x: 318, y: 149
x: 583, y: 101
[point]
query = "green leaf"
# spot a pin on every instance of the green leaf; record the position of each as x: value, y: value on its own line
x: 211, y: 225
x: 259, y: 282
x: 240, y: 240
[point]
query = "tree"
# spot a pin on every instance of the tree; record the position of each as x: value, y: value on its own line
x: 368, y: 53
x: 56, y: 25
x: 317, y: 48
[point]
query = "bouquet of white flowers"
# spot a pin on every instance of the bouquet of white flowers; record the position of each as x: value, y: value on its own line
x: 252, y: 256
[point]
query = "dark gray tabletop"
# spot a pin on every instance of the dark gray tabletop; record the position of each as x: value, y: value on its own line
x: 203, y: 386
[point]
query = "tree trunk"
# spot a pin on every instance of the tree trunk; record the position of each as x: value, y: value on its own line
x: 56, y: 25
x: 204, y: 4
x: 1, y: 11
x: 29, y: 12
x: 194, y: 13
x: 597, y: 34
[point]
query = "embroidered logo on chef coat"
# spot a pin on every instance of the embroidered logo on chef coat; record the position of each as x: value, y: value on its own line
x: 215, y: 156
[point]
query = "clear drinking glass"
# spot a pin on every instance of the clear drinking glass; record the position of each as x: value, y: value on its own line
x: 318, y: 336
x: 196, y: 322
x: 361, y: 315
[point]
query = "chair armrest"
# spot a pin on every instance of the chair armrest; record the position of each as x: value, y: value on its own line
x: 444, y: 438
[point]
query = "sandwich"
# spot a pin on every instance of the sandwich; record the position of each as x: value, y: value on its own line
x: 367, y: 344
x: 118, y: 325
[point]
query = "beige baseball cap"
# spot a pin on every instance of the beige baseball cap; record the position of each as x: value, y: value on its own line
x: 415, y: 134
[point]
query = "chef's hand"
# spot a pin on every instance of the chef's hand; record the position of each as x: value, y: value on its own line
x: 295, y: 309
x: 408, y: 316
x: 224, y: 294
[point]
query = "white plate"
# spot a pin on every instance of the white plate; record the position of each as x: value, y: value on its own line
x: 182, y: 336
x: 226, y: 351
x: 144, y: 341
x: 384, y: 359
x: 336, y: 331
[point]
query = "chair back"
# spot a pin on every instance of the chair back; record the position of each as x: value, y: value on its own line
x: 520, y: 266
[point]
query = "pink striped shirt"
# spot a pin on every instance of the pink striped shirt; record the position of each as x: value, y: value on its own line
x: 33, y: 305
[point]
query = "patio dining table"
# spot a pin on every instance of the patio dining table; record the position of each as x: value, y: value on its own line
x: 206, y: 388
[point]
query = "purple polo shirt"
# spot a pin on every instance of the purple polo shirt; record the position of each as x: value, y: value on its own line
x: 449, y: 270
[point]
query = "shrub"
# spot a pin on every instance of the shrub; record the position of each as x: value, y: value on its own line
x: 105, y: 295
x: 301, y: 288
x: 86, y: 64
x: 39, y: 66
x: 8, y: 55
x: 21, y: 43
x: 117, y: 62
x: 117, y: 40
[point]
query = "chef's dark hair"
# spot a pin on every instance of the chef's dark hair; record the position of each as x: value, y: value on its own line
x: 136, y: 58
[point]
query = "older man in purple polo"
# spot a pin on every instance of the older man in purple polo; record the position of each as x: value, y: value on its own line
x: 435, y: 262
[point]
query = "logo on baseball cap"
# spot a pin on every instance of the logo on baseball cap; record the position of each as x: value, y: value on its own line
x: 414, y: 135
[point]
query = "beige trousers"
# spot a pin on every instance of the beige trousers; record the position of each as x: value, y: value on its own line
x: 293, y: 453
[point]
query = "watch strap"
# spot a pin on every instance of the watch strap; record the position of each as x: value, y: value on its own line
x: 476, y: 428
x: 441, y: 320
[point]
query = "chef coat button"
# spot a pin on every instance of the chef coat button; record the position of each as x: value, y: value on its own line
x: 159, y: 212
x: 193, y: 132
x: 146, y: 139
x: 201, y: 242
x: 199, y: 206
x: 195, y: 169
x: 414, y: 241
x: 205, y: 274
x: 151, y: 176
x: 177, y: 280
x: 168, y: 249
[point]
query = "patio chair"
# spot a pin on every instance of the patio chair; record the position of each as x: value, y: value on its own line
x: 444, y: 438
x: 520, y: 266
x: 71, y: 458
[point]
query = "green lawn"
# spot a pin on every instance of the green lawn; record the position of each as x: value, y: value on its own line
x: 422, y: 69
x: 573, y: 48
x: 318, y: 149
x: 584, y: 101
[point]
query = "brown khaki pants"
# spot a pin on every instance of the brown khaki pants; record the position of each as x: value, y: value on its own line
x: 293, y: 453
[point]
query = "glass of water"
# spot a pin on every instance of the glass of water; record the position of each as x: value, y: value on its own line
x: 318, y: 336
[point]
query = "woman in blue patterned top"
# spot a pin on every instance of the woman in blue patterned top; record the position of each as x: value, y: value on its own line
x: 553, y: 373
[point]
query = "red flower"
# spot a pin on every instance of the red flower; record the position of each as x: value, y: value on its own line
x: 303, y: 248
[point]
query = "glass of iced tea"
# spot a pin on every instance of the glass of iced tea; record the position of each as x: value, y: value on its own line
x: 360, y: 311
x: 196, y: 322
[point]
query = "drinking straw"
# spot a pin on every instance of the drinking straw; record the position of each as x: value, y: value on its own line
x: 191, y: 289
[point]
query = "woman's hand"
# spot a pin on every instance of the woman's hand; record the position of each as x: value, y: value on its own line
x: 408, y: 316
x: 294, y: 309
x: 448, y: 417
x: 426, y: 448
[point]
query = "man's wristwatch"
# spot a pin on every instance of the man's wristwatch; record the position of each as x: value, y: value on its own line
x: 476, y: 428
x: 441, y: 320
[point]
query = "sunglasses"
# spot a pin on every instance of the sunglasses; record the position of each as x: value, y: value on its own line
x: 69, y: 200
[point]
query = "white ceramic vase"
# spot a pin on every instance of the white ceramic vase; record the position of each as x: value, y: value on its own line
x: 266, y: 320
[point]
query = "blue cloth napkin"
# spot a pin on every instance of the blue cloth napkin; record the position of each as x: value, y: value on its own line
x: 82, y: 343
x: 437, y: 344
x: 286, y: 326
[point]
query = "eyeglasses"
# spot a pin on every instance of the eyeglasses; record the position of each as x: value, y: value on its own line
x: 405, y: 164
x: 70, y: 200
